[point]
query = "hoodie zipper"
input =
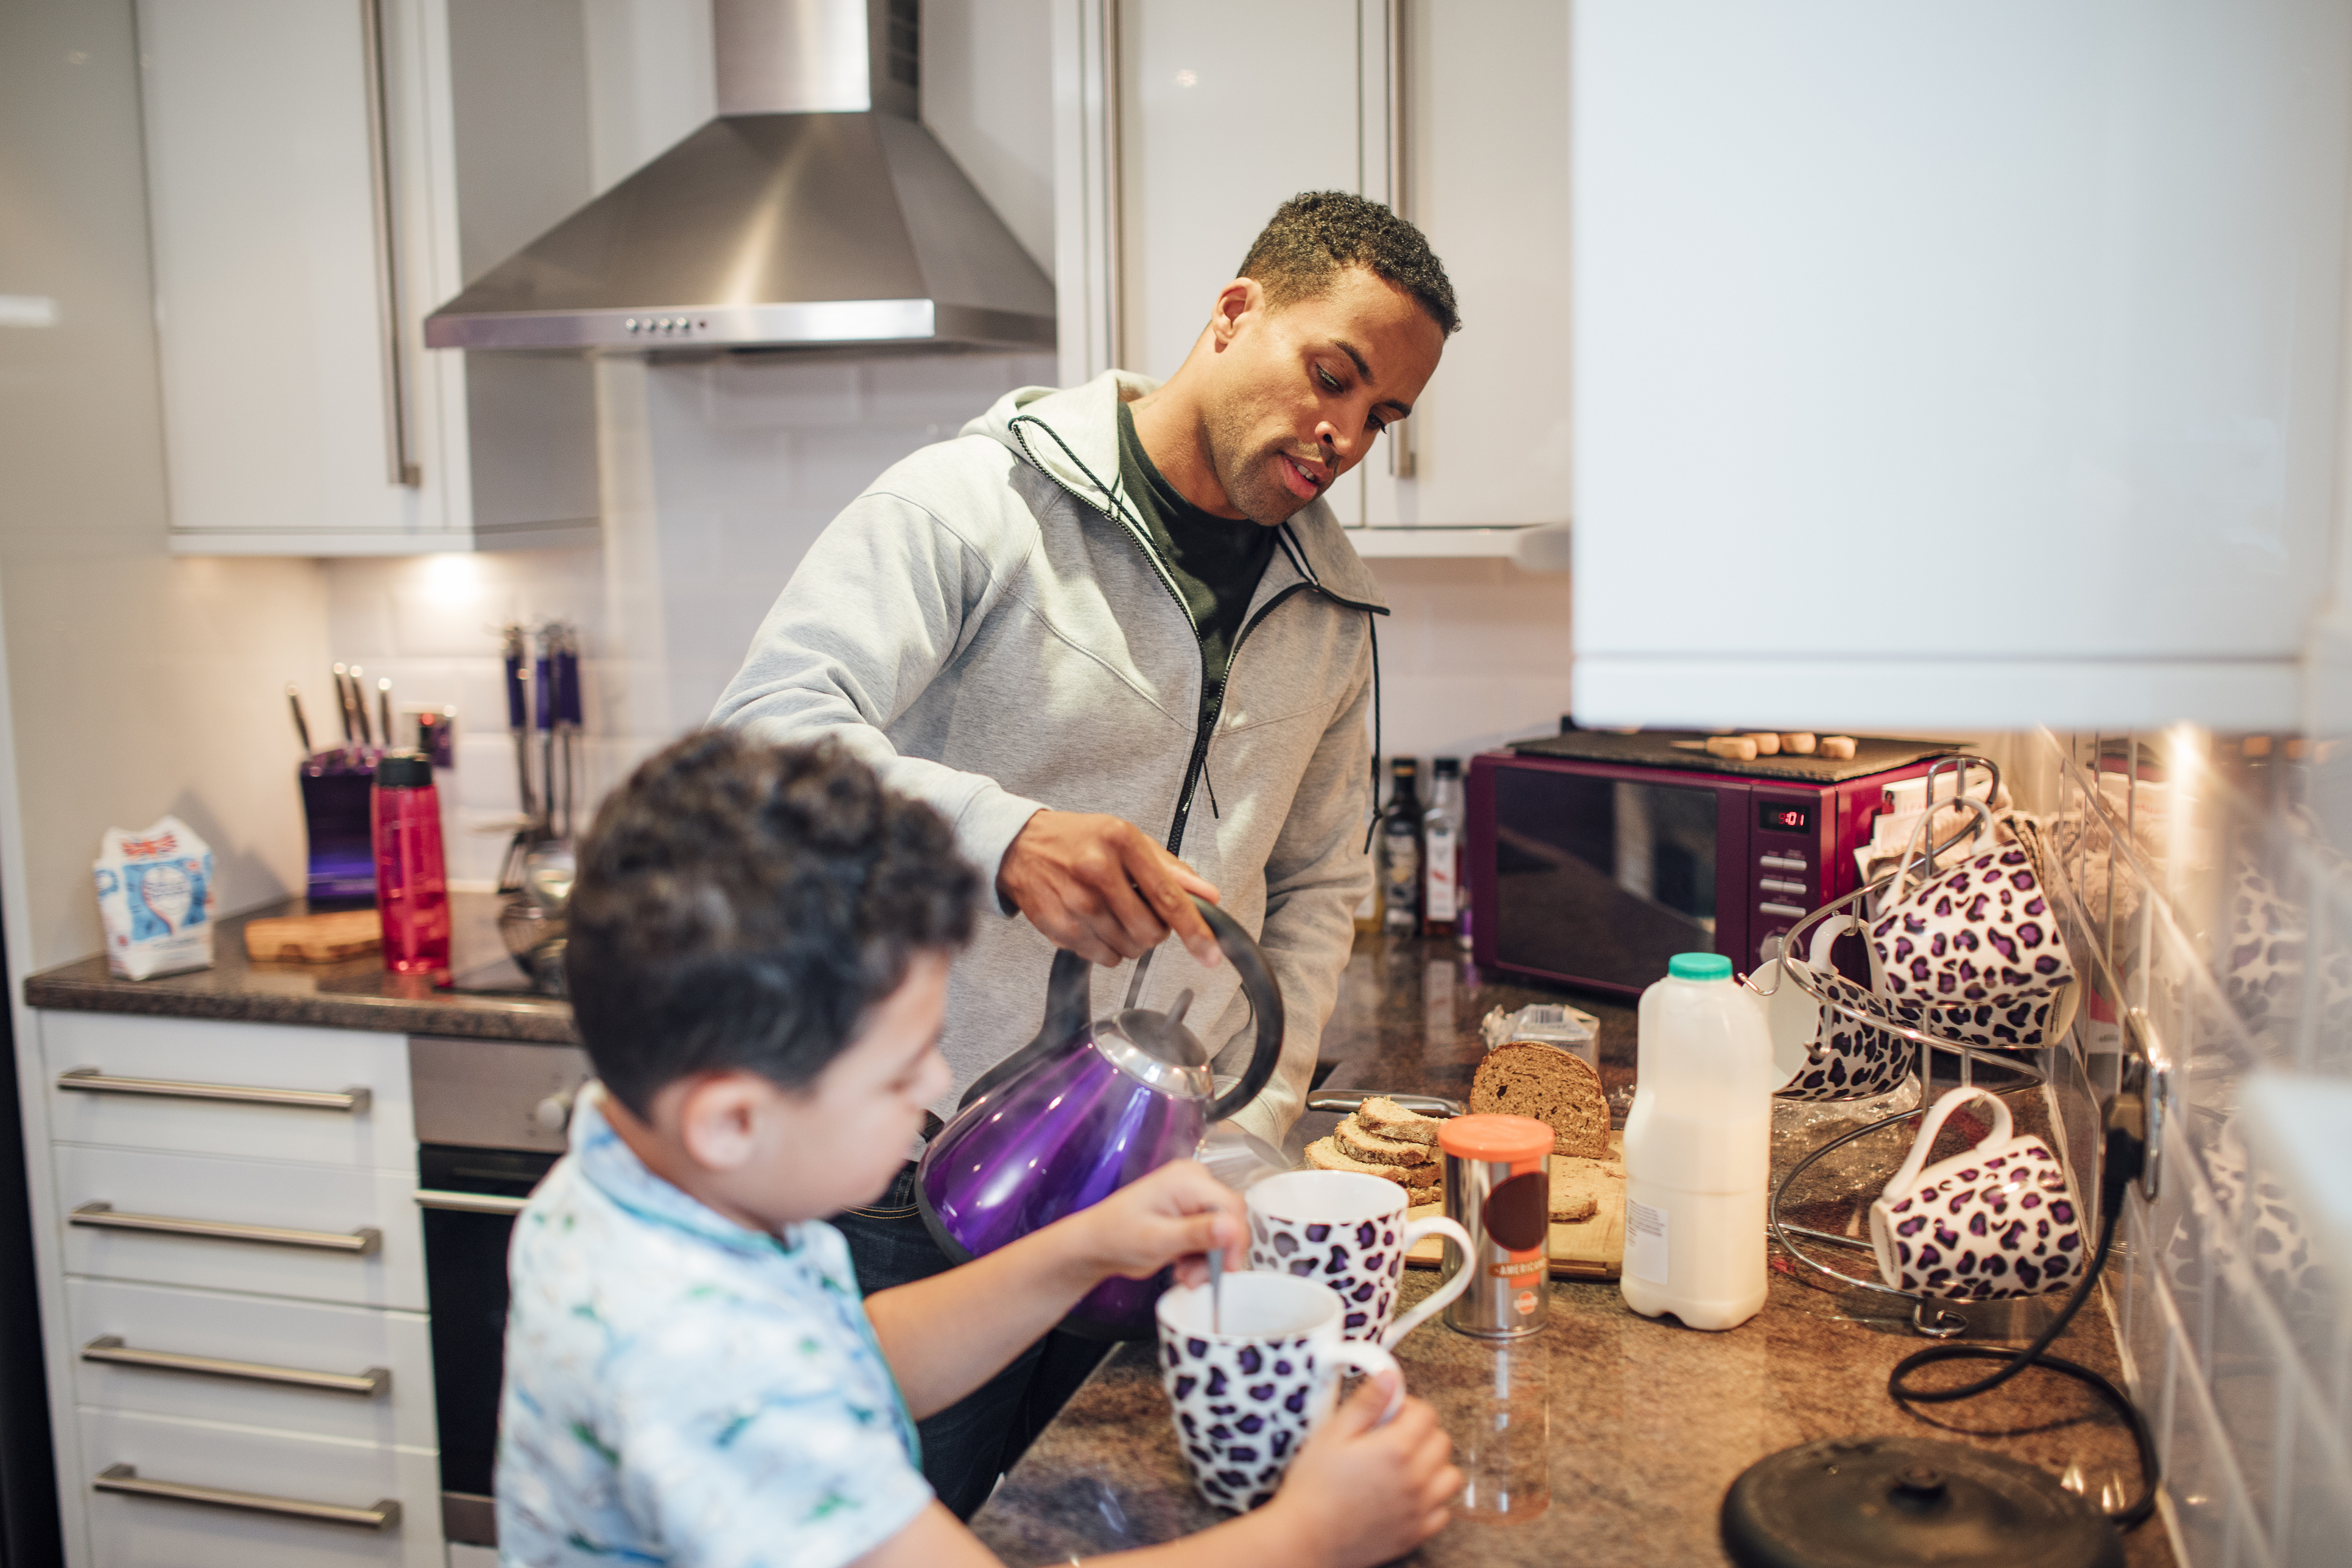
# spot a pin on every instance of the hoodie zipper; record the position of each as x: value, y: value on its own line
x: 1206, y: 722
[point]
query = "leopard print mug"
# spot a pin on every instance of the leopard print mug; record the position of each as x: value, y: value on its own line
x: 1250, y: 1375
x: 1348, y: 1231
x: 1990, y: 1223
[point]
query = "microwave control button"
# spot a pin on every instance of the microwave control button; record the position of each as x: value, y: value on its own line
x: 1781, y: 862
x: 1781, y: 885
x: 1794, y: 911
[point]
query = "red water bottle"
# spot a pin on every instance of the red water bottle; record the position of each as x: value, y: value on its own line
x: 412, y: 884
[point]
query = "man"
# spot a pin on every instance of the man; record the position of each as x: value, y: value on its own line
x: 1114, y: 635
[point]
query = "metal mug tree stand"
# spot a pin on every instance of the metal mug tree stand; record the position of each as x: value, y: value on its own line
x: 1929, y: 1316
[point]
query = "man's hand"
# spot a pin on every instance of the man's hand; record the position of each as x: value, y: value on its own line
x: 1097, y: 886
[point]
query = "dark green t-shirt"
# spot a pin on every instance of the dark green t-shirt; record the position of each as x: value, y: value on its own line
x: 1216, y: 561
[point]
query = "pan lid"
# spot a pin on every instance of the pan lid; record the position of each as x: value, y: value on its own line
x: 1888, y: 1502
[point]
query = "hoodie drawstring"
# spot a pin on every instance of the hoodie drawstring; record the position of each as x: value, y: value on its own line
x: 1372, y: 630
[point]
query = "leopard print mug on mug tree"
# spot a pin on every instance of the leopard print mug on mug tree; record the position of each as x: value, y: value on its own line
x: 1988, y: 1223
x: 1974, y: 954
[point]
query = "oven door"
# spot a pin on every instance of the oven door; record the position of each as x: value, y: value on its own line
x: 470, y: 1197
x: 1600, y: 875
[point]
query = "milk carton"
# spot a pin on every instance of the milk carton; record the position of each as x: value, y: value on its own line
x: 155, y: 895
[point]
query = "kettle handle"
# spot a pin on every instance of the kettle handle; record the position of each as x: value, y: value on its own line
x: 1069, y: 1003
x: 1265, y: 1000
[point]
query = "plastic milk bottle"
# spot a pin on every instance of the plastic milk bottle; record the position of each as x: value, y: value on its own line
x: 1699, y: 1149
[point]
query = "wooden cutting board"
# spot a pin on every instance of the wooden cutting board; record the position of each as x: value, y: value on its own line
x: 313, y: 938
x: 1587, y: 1250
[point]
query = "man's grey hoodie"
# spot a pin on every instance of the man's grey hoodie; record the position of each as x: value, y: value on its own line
x: 989, y: 627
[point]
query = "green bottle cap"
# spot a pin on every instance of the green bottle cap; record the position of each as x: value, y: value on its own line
x: 1699, y: 966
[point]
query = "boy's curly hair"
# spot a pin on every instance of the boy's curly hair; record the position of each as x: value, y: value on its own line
x: 744, y: 905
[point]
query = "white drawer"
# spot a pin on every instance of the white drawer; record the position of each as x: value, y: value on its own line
x: 320, y: 1201
x: 146, y: 1531
x: 296, y: 1337
x: 262, y: 1058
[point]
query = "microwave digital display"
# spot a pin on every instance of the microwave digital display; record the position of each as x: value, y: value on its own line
x: 1784, y: 816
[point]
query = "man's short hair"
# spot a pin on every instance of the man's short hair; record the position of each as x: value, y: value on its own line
x: 745, y: 905
x: 1316, y: 235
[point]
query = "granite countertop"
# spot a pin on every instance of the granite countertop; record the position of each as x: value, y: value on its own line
x: 357, y: 994
x: 1643, y: 1424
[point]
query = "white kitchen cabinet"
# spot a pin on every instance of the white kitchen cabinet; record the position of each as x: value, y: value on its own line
x: 1955, y: 365
x: 234, y: 1362
x: 136, y: 1532
x: 304, y: 187
x: 1212, y: 138
x: 112, y: 1078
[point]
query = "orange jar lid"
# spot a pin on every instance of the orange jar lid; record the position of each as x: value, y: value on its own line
x: 1500, y: 1138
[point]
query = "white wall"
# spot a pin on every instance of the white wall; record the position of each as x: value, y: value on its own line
x: 137, y: 683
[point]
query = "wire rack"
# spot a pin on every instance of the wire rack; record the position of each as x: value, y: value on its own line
x: 1929, y: 1316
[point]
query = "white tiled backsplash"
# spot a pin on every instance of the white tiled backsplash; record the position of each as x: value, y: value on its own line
x: 2201, y: 880
x: 717, y: 477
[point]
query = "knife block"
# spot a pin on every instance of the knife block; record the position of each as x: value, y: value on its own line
x: 336, y: 791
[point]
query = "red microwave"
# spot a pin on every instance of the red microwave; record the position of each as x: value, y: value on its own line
x: 1595, y: 856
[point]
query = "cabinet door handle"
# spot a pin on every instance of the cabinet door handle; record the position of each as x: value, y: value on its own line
x: 470, y: 1202
x: 90, y: 1080
x: 110, y: 1348
x: 399, y: 464
x: 364, y: 1242
x: 125, y: 1479
x: 1400, y: 435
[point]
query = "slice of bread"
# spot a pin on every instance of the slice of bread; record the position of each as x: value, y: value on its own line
x: 1357, y: 1140
x: 1324, y: 1155
x: 1385, y: 1115
x: 1558, y: 1088
x: 1580, y: 1186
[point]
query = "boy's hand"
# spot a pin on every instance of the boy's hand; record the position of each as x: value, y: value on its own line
x: 1364, y: 1493
x: 1175, y: 1215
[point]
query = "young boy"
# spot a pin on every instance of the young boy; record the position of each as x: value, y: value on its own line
x: 759, y: 946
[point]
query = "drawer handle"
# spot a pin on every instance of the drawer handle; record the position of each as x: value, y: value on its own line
x: 111, y: 1349
x: 363, y: 1242
x: 91, y: 1081
x: 470, y: 1202
x: 125, y: 1479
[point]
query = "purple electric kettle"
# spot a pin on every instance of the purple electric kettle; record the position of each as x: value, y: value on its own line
x: 1083, y: 1109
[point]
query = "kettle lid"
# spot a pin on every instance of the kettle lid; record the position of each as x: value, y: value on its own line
x: 1156, y: 1049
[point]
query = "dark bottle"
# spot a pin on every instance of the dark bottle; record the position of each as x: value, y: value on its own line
x: 412, y: 884
x: 1400, y: 871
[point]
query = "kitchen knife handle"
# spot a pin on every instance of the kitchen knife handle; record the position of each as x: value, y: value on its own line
x: 401, y: 466
x: 1349, y: 1104
x: 126, y: 1479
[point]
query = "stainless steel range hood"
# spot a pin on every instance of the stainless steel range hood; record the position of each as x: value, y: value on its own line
x: 815, y: 209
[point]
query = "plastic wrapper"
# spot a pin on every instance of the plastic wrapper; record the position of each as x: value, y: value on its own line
x: 155, y: 896
x: 1548, y: 1023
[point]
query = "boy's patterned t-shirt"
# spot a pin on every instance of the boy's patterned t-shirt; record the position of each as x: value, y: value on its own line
x: 680, y: 1390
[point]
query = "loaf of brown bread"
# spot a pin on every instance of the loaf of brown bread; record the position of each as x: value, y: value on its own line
x: 1559, y: 1090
